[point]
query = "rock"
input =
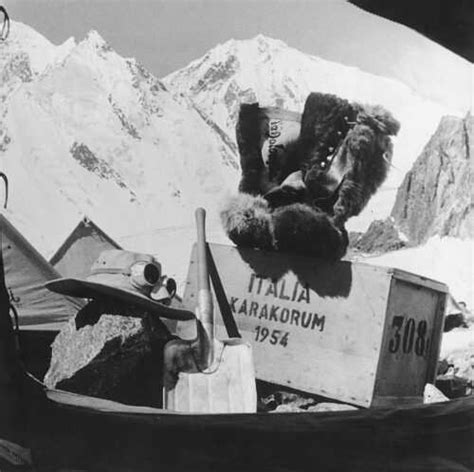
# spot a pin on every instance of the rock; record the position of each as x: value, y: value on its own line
x: 443, y: 367
x: 288, y: 401
x: 118, y: 358
x: 287, y: 408
x: 313, y: 408
x: 290, y: 398
x: 436, y: 194
x: 454, y: 321
x: 452, y: 386
x: 456, y: 363
x: 432, y: 395
x: 285, y: 401
x: 457, y: 350
x: 381, y: 236
x: 326, y: 406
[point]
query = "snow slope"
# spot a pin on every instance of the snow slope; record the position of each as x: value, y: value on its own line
x: 449, y: 260
x: 93, y: 133
x: 270, y: 72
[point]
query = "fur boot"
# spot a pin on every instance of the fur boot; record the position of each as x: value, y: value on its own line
x: 325, y: 123
x: 250, y: 222
x: 267, y: 141
x: 247, y: 221
x: 248, y: 141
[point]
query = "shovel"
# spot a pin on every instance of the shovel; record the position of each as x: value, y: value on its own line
x: 206, y: 375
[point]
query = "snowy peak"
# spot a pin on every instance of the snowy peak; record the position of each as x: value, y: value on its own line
x: 254, y: 48
x: 24, y: 56
x: 95, y: 48
x: 269, y: 71
x: 41, y: 52
x: 94, y: 40
x: 234, y: 47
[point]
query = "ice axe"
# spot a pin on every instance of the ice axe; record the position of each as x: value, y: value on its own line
x: 206, y: 375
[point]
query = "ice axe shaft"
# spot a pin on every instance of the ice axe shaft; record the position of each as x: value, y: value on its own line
x: 205, y: 307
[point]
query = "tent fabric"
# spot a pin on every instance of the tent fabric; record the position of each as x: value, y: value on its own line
x: 26, y: 271
x: 426, y: 438
x: 11, y: 417
x: 80, y: 249
x: 403, y: 419
x: 453, y: 307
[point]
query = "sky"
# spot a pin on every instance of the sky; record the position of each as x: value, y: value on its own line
x: 165, y: 35
x: 169, y: 34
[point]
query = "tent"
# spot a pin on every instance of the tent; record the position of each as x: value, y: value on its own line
x: 81, y: 248
x: 26, y: 271
x: 12, y: 418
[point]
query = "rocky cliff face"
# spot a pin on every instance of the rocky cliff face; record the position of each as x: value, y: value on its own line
x: 436, y: 196
x: 381, y: 236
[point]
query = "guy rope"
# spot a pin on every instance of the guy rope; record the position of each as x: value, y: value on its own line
x: 5, y: 179
x: 5, y: 24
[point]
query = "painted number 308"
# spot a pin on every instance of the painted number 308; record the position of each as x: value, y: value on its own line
x: 409, y: 336
x: 274, y: 336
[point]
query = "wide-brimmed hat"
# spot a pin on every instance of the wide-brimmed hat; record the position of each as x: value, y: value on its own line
x: 129, y: 276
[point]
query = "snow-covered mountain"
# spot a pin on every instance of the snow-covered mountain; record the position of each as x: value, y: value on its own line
x: 449, y: 260
x: 270, y: 72
x: 85, y: 131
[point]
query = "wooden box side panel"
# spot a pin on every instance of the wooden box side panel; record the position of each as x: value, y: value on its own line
x: 313, y: 325
x: 410, y: 344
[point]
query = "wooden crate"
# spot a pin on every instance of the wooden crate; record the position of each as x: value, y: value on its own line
x: 354, y: 332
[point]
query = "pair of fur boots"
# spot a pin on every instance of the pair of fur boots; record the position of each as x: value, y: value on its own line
x: 301, y: 182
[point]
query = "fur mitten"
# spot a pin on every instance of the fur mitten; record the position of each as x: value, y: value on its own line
x: 345, y: 151
x: 250, y: 222
x: 365, y: 156
x: 303, y: 229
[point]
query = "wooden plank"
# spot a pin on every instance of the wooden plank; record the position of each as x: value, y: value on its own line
x: 410, y: 342
x: 420, y: 280
x: 314, y: 325
x: 438, y: 334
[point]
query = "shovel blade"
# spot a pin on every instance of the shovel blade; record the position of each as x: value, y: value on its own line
x: 228, y: 386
